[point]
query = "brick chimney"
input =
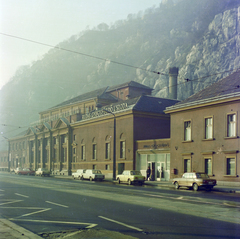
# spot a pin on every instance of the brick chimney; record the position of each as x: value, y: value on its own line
x: 173, y: 74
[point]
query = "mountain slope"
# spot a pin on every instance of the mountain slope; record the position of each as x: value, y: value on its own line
x: 198, y: 36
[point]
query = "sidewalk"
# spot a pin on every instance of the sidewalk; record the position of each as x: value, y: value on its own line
x: 9, y: 230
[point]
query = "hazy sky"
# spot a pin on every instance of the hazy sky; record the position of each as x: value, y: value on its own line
x: 50, y: 22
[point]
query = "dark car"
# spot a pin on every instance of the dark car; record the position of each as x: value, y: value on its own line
x: 194, y: 180
x: 26, y: 171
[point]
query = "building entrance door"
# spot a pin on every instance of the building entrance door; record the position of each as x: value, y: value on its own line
x: 153, y: 178
x: 121, y: 167
x: 162, y: 171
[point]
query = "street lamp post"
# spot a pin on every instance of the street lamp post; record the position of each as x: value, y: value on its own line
x: 114, y: 142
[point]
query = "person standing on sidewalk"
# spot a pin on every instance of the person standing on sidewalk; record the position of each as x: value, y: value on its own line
x: 148, y: 173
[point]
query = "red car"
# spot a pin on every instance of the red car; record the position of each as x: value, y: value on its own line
x: 26, y: 171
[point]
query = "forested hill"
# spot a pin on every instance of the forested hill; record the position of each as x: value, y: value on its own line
x: 198, y: 36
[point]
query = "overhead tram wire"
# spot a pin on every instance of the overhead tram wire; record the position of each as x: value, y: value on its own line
x: 83, y: 54
x: 115, y: 62
x: 200, y: 78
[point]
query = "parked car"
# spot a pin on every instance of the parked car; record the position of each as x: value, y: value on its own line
x: 131, y: 176
x: 78, y: 174
x: 93, y: 174
x: 194, y: 180
x: 16, y: 170
x: 26, y: 171
x: 42, y: 172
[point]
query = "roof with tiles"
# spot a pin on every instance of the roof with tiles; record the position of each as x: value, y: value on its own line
x: 100, y: 93
x: 147, y: 103
x: 153, y: 104
x: 225, y: 87
x: 128, y: 84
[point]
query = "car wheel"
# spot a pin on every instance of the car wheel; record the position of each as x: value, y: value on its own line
x: 118, y: 179
x: 129, y: 182
x: 90, y: 179
x: 195, y: 187
x: 176, y: 185
x: 19, y: 173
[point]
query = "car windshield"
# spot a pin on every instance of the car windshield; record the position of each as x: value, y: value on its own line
x: 96, y: 171
x: 202, y: 175
x: 135, y: 173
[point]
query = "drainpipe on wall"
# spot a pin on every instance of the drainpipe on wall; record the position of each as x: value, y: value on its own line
x: 173, y: 74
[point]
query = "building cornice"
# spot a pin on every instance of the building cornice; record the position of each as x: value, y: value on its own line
x: 203, y: 103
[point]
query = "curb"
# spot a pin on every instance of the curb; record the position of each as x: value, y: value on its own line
x: 9, y: 229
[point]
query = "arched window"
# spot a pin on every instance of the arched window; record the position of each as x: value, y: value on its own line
x: 107, y: 147
x: 122, y: 146
x: 94, y: 149
x: 83, y: 150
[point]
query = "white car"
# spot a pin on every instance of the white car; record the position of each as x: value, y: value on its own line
x: 78, y: 174
x: 17, y: 170
x: 42, y: 172
x: 131, y: 176
x: 93, y: 174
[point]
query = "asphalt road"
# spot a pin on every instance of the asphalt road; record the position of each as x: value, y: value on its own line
x: 46, y: 205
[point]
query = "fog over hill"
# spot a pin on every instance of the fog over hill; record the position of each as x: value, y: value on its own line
x: 201, y: 37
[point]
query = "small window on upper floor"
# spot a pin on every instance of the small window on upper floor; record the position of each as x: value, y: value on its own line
x: 187, y: 131
x: 209, y: 128
x: 231, y: 125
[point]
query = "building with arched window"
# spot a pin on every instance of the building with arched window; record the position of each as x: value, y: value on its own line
x: 96, y: 130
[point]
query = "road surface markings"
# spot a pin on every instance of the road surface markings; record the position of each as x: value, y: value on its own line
x: 56, y: 204
x: 192, y: 200
x: 2, y: 190
x: 21, y: 195
x: 120, y: 223
x: 28, y: 214
x: 10, y: 201
x: 90, y: 225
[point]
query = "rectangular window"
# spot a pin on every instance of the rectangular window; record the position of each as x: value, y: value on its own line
x: 208, y: 128
x: 231, y: 125
x: 107, y: 151
x: 208, y: 166
x: 107, y: 167
x: 187, y: 165
x: 122, y: 149
x: 231, y: 166
x: 94, y: 166
x: 83, y: 152
x: 187, y: 131
x: 94, y: 151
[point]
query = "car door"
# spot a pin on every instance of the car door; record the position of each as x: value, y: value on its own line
x: 183, y: 180
x: 190, y: 180
x: 125, y: 176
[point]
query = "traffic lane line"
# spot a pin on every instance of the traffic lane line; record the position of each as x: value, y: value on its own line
x: 121, y: 223
x: 31, y: 213
x: 9, y: 201
x: 192, y: 200
x: 90, y: 225
x: 21, y: 195
x: 57, y: 204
